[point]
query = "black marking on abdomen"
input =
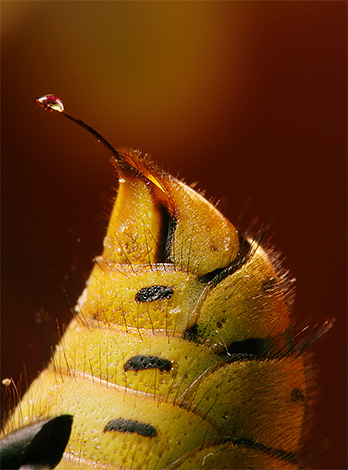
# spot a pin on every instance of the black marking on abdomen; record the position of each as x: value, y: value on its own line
x: 149, y: 294
x: 213, y: 278
x: 141, y: 362
x: 191, y: 334
x: 272, y: 451
x: 128, y: 425
x: 251, y: 348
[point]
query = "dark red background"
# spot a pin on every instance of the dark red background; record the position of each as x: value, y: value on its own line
x: 248, y: 98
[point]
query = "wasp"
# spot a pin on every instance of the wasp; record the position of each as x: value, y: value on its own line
x: 181, y: 354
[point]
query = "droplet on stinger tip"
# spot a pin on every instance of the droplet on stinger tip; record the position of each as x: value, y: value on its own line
x: 50, y: 103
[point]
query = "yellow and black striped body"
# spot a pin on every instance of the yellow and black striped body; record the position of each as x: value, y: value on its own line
x: 180, y: 353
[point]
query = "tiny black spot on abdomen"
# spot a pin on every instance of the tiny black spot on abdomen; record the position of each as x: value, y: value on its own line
x: 297, y: 395
x: 149, y: 294
x: 141, y: 362
x: 128, y: 425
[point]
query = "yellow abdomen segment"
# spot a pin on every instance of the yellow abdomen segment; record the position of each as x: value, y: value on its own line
x: 180, y: 354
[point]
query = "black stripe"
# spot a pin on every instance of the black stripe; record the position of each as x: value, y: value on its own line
x: 141, y: 362
x: 273, y: 452
x: 152, y: 293
x: 245, y: 251
x: 166, y: 235
x: 170, y: 237
x: 250, y: 348
x: 128, y: 425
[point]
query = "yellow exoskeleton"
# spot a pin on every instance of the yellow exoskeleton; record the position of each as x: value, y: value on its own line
x: 180, y: 355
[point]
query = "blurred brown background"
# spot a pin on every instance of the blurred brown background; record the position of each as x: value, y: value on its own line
x: 248, y: 98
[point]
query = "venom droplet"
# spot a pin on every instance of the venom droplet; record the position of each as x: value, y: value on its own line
x: 50, y: 103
